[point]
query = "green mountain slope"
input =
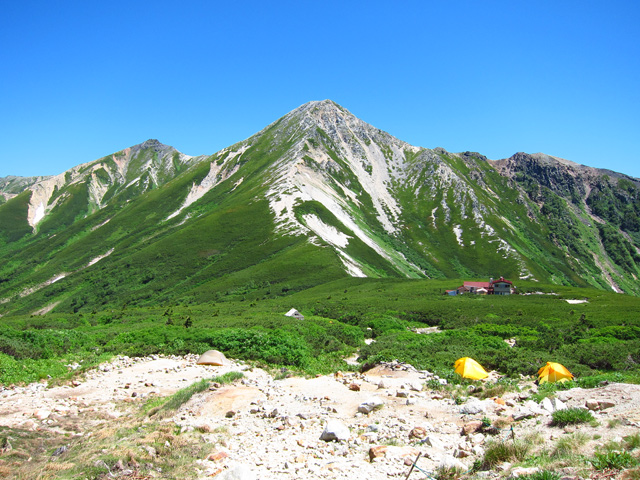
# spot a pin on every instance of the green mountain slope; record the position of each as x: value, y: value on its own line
x: 317, y: 196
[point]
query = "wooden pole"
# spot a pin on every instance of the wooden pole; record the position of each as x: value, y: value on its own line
x: 413, y: 465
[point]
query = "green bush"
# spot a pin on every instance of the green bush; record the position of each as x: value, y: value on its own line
x: 501, y: 451
x: 571, y: 416
x: 543, y: 475
x: 613, y: 460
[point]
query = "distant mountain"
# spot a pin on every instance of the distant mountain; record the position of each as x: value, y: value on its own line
x: 316, y: 196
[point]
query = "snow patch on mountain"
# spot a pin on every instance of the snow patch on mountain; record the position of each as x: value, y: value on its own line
x: 328, y: 233
x: 99, y: 257
x: 433, y: 217
x: 35, y: 288
x: 457, y: 229
x: 39, y: 214
x: 353, y: 268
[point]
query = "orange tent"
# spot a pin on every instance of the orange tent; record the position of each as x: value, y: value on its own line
x: 554, y: 372
x: 468, y: 368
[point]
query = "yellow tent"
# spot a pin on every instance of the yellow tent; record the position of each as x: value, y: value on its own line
x: 468, y: 368
x: 554, y: 372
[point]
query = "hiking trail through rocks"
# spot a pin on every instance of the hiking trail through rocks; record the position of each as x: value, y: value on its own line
x: 272, y: 429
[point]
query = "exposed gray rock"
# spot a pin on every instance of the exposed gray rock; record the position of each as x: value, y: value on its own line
x: 370, y: 405
x: 473, y: 408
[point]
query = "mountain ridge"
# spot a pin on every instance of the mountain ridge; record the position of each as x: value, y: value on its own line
x: 320, y: 191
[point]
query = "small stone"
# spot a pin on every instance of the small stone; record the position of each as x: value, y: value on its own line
x: 472, y: 408
x: 151, y: 451
x: 42, y: 414
x: 354, y: 387
x: 217, y: 456
x: 604, y: 404
x: 471, y: 427
x: 523, y: 472
x: 60, y: 451
x: 592, y: 404
x: 415, y: 386
x: 230, y: 414
x: 370, y: 405
x: 449, y: 462
x: 418, y: 432
x: 379, y: 451
x: 461, y: 453
x: 238, y: 472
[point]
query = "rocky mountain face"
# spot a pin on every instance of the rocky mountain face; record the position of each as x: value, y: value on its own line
x: 315, y: 196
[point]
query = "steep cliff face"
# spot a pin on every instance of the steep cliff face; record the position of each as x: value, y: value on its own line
x: 591, y: 213
x: 317, y: 195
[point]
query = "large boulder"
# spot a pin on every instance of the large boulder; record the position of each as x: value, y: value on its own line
x: 213, y: 357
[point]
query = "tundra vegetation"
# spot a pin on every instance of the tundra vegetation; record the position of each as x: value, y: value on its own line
x: 598, y: 340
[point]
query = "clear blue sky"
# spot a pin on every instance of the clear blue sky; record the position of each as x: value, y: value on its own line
x: 82, y: 79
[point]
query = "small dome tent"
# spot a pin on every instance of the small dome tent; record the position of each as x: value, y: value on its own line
x: 295, y: 314
x: 468, y: 368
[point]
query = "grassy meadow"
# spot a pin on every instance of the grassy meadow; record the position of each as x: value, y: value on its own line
x: 596, y: 340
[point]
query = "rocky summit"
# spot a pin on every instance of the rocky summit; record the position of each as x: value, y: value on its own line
x: 316, y: 196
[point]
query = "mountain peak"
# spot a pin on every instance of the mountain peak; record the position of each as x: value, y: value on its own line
x: 319, y: 107
x: 152, y: 144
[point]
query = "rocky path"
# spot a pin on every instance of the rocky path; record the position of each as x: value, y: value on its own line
x: 343, y: 426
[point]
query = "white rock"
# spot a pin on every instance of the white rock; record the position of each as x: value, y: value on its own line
x: 335, y: 430
x: 523, y: 471
x: 449, y: 462
x: 415, y: 386
x: 42, y: 414
x: 370, y: 405
x: 238, y: 472
x: 592, y: 404
x: 552, y: 405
